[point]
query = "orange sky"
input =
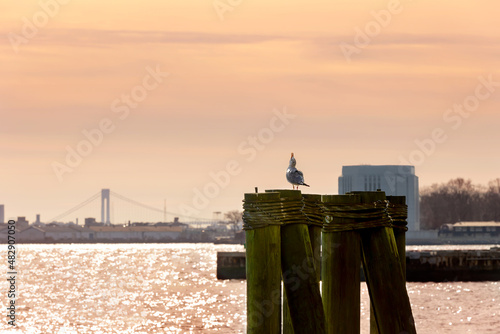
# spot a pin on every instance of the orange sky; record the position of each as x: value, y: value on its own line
x: 65, y: 69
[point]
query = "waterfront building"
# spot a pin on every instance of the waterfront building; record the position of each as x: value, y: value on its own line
x: 32, y: 234
x: 471, y: 230
x: 394, y: 180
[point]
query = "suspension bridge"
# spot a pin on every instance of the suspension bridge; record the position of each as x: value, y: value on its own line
x: 114, y: 208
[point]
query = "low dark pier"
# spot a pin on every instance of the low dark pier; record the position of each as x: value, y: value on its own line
x: 231, y: 265
x: 421, y: 266
x: 453, y: 265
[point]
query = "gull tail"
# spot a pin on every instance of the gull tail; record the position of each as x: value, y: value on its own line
x: 303, y: 184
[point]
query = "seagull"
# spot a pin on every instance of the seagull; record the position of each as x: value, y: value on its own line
x: 294, y: 176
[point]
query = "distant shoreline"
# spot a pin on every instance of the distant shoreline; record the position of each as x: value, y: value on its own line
x: 432, y: 242
x: 121, y: 241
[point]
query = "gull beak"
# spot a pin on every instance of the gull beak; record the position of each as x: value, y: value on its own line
x: 291, y: 156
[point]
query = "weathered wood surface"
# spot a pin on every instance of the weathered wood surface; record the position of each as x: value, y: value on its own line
x: 341, y: 274
x: 299, y: 275
x: 263, y: 264
x: 400, y: 234
x: 387, y: 288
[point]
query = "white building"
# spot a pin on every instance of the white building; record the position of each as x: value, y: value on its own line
x: 394, y: 180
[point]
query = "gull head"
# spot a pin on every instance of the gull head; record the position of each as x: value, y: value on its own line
x: 292, y: 161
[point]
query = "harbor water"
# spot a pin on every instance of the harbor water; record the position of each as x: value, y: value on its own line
x: 172, y: 288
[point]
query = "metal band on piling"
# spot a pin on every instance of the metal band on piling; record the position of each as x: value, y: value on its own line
x: 261, y: 214
x: 363, y: 216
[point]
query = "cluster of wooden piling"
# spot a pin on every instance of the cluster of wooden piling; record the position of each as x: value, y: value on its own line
x: 302, y: 239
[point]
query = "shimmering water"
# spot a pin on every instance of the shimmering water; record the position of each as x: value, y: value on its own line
x: 172, y: 288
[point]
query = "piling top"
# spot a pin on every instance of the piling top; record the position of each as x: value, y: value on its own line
x: 261, y: 197
x: 279, y: 207
x: 261, y: 210
x: 286, y: 193
x: 341, y: 199
x: 370, y: 196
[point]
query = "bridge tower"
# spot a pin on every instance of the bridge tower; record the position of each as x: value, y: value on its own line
x: 105, y: 206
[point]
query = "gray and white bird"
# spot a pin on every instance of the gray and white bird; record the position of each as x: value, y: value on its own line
x: 294, y: 176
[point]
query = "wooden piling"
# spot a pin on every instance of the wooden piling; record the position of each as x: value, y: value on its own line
x: 384, y: 276
x: 399, y: 232
x: 263, y: 262
x: 315, y: 235
x: 400, y: 236
x: 287, y: 318
x: 341, y: 260
x: 298, y: 269
x: 282, y: 230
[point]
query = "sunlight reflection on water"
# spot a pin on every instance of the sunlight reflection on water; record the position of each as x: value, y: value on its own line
x: 126, y: 288
x: 172, y: 288
x: 452, y: 307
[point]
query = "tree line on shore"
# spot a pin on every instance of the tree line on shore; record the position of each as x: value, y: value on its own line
x: 459, y: 200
